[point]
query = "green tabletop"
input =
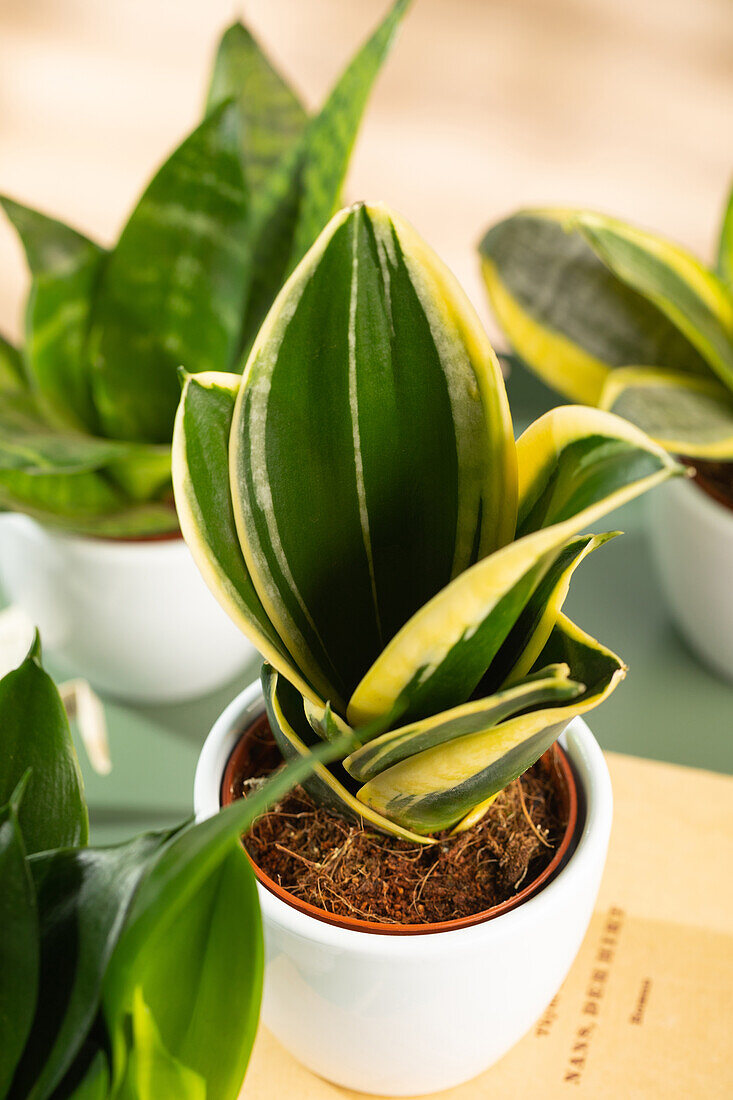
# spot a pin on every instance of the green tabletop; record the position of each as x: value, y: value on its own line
x: 670, y: 707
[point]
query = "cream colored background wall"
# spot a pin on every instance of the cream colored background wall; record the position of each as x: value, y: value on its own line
x: 626, y: 105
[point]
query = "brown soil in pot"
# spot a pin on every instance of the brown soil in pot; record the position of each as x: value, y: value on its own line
x: 715, y: 479
x: 351, y: 872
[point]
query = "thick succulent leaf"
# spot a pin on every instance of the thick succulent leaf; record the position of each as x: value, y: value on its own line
x: 35, y: 737
x: 528, y: 636
x: 370, y: 337
x: 725, y: 245
x: 272, y: 117
x: 567, y: 314
x: 198, y: 971
x: 304, y: 191
x: 204, y: 505
x: 474, y: 717
x: 686, y: 292
x: 578, y: 464
x: 296, y: 739
x: 83, y: 897
x: 332, y: 132
x: 686, y: 415
x: 171, y: 292
x: 12, y: 373
x: 65, y: 267
x: 19, y: 951
x: 85, y: 503
x: 440, y: 786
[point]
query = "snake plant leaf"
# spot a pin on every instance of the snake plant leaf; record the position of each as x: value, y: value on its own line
x: 328, y: 787
x: 172, y: 289
x: 724, y: 265
x: 685, y: 414
x: 369, y: 337
x: 204, y: 506
x: 579, y: 463
x: 436, y: 788
x: 86, y: 503
x: 83, y: 897
x: 272, y: 117
x: 474, y: 717
x: 684, y: 290
x: 12, y: 372
x: 19, y: 954
x: 28, y: 442
x: 304, y: 191
x: 569, y: 315
x: 53, y: 812
x: 65, y: 267
x: 151, y: 1071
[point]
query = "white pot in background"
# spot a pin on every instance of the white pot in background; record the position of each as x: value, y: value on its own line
x: 402, y: 1015
x: 692, y: 539
x: 134, y: 618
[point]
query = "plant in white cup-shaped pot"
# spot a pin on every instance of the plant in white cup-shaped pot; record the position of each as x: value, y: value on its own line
x: 90, y: 545
x: 639, y: 326
x: 358, y: 504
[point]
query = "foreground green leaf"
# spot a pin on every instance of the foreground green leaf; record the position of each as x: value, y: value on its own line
x: 35, y: 737
x: 18, y: 941
x: 151, y: 1071
x: 12, y: 373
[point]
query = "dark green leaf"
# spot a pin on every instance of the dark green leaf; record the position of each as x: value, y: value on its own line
x: 272, y: 117
x: 65, y: 266
x: 173, y: 287
x: 18, y: 942
x: 12, y: 374
x: 35, y: 735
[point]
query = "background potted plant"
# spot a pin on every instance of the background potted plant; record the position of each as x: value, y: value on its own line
x: 132, y: 972
x: 89, y: 548
x: 620, y: 318
x: 359, y: 506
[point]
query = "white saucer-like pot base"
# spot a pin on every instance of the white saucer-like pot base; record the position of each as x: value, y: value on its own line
x: 134, y: 618
x: 692, y: 540
x: 404, y: 1015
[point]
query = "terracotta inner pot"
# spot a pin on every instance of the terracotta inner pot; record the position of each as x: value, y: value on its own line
x: 246, y: 760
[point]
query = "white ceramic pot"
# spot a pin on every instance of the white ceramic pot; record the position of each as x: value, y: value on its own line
x: 134, y: 618
x: 402, y: 1015
x: 692, y: 540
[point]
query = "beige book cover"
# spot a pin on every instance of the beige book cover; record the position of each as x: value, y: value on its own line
x: 647, y: 1009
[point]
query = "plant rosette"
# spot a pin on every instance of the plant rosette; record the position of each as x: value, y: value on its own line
x: 405, y: 1014
x: 133, y: 617
x: 691, y: 536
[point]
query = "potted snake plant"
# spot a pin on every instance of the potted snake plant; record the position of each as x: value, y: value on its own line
x: 358, y: 504
x: 90, y: 543
x: 623, y: 319
x: 131, y: 972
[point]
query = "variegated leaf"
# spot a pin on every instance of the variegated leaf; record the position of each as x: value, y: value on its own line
x: 328, y: 786
x: 578, y: 464
x: 372, y: 457
x: 171, y: 291
x: 725, y: 245
x: 570, y: 315
x: 204, y: 505
x: 686, y: 415
x: 552, y: 686
x: 437, y: 788
x: 64, y: 267
x: 305, y: 189
x: 272, y: 117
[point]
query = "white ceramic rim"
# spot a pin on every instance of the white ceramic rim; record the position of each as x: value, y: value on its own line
x: 591, y: 772
x: 113, y: 549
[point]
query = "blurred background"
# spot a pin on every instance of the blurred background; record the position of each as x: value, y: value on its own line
x: 484, y: 105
